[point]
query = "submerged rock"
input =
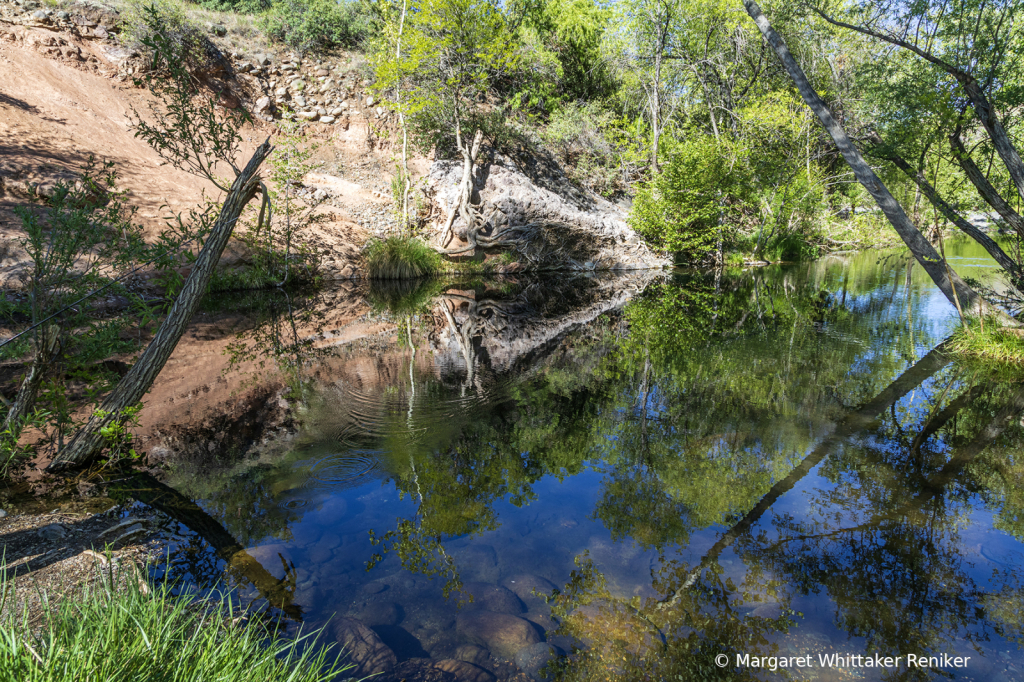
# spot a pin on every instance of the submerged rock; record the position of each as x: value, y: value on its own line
x: 532, y: 659
x: 487, y: 597
x: 502, y: 633
x: 525, y: 584
x: 465, y: 672
x: 363, y: 648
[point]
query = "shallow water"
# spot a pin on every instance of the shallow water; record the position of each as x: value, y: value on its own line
x: 763, y: 463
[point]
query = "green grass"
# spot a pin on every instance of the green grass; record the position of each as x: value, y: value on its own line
x: 995, y: 344
x: 124, y: 634
x: 401, y: 258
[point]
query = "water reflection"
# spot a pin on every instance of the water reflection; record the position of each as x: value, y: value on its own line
x: 625, y: 478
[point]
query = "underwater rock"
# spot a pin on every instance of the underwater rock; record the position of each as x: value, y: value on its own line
x: 502, y: 633
x: 381, y: 613
x: 524, y: 584
x: 534, y: 657
x: 487, y: 597
x: 465, y: 672
x: 363, y: 648
x: 471, y: 653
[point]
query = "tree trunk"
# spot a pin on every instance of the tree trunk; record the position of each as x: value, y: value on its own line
x: 998, y: 255
x: 989, y: 193
x: 954, y: 288
x: 86, y: 444
x: 46, y: 349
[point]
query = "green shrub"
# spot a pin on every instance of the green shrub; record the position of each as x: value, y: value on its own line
x: 124, y: 634
x: 317, y: 25
x: 683, y: 208
x: 142, y: 18
x: 401, y: 258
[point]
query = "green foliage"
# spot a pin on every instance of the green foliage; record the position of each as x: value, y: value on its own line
x: 318, y: 25
x: 168, y: 21
x: 117, y: 631
x: 184, y: 125
x: 683, y: 208
x: 400, y: 258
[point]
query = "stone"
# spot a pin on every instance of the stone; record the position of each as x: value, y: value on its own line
x: 219, y: 30
x: 63, y: 16
x: 3, y: 513
x: 525, y: 584
x: 489, y: 597
x: 378, y: 613
x: 100, y: 32
x: 327, y: 119
x: 369, y: 101
x: 271, y: 556
x: 281, y: 92
x: 363, y: 648
x: 502, y: 633
x: 465, y: 672
x: 532, y: 659
x: 477, y: 562
x: 471, y: 653
x: 320, y: 555
x: 307, y: 115
x: 52, y: 532
x: 300, y: 101
x: 337, y: 111
x: 380, y: 111
x: 40, y: 15
x: 373, y: 587
x: 262, y: 104
x: 298, y: 86
x: 321, y: 111
x: 323, y: 72
x: 262, y: 59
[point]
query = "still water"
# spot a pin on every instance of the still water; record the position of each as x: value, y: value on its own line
x: 679, y: 476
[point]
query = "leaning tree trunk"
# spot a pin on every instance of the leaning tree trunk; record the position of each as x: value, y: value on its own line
x: 86, y: 444
x: 46, y: 350
x: 954, y: 288
x: 989, y: 193
x: 1011, y: 266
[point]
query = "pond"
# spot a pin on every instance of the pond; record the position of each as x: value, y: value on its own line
x: 652, y: 476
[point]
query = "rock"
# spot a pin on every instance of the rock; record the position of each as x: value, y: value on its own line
x: 534, y: 657
x: 63, y: 16
x: 52, y: 532
x: 40, y: 15
x: 300, y: 101
x: 261, y: 59
x: 363, y: 648
x: 379, y: 613
x: 525, y: 584
x: 3, y: 513
x: 337, y: 111
x: 489, y: 597
x: 465, y: 672
x: 477, y: 562
x: 298, y: 86
x: 320, y: 555
x: 323, y: 72
x: 379, y: 111
x: 321, y: 111
x: 219, y: 30
x: 307, y: 115
x: 100, y: 32
x: 281, y: 92
x: 416, y: 670
x: 502, y: 633
x: 271, y: 556
x: 369, y: 101
x: 262, y: 104
x: 327, y: 119
x: 374, y: 587
x: 471, y: 653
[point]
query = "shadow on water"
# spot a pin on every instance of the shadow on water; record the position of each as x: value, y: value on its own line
x: 779, y: 462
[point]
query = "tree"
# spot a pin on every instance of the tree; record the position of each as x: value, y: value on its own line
x: 954, y: 288
x: 450, y: 53
x: 190, y: 130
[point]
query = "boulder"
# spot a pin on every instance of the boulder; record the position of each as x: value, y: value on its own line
x: 471, y: 653
x: 502, y: 633
x: 465, y: 672
x: 525, y: 584
x: 487, y: 597
x: 363, y: 648
x: 532, y: 659
x: 380, y: 613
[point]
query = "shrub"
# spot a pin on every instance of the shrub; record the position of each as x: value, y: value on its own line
x: 401, y: 258
x: 683, y: 208
x: 317, y: 25
x: 142, y: 18
x: 118, y: 632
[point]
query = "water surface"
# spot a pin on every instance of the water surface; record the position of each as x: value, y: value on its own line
x: 778, y: 462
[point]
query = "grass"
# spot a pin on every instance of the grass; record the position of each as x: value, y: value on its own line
x: 136, y: 633
x: 991, y: 343
x: 401, y: 258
